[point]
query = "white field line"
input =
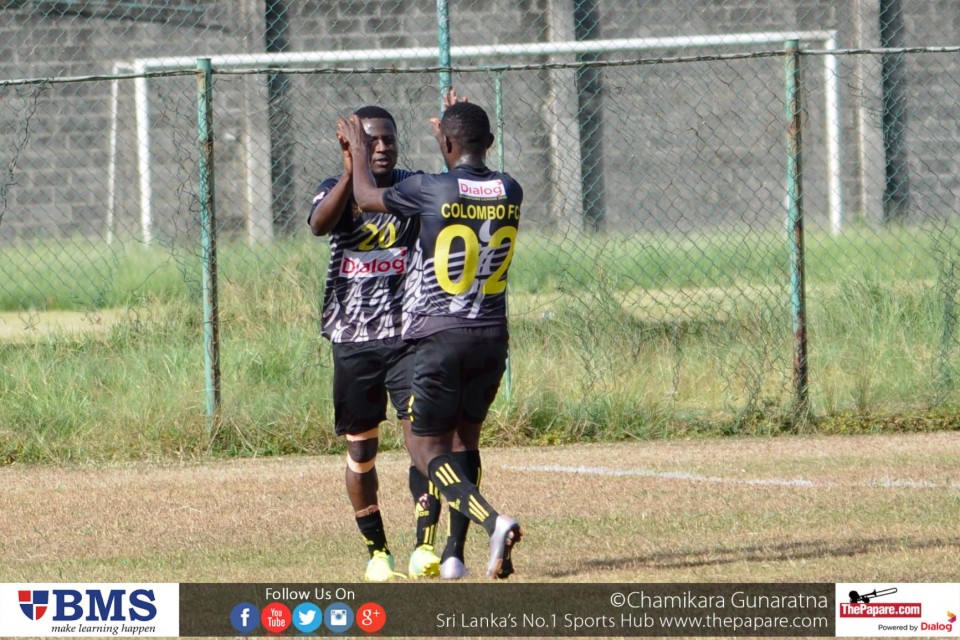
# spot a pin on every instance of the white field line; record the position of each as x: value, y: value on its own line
x: 685, y: 476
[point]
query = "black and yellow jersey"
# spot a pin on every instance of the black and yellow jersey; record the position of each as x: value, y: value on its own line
x: 363, y: 294
x: 468, y: 231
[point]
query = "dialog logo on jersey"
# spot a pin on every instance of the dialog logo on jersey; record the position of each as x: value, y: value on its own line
x: 89, y: 609
x: 374, y: 264
x: 33, y: 603
x: 481, y: 189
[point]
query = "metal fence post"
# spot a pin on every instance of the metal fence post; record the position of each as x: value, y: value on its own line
x: 795, y: 229
x: 498, y: 102
x: 443, y: 44
x: 208, y: 238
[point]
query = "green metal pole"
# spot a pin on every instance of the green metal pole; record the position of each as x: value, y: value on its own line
x: 948, y: 283
x: 208, y: 239
x: 795, y: 229
x: 498, y: 106
x: 443, y: 40
x: 498, y: 92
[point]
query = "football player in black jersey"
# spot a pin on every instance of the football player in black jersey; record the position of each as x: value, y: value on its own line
x: 454, y: 308
x: 362, y: 306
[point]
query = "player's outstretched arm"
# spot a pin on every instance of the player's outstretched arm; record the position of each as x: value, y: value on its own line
x: 330, y: 206
x: 450, y: 98
x: 369, y: 197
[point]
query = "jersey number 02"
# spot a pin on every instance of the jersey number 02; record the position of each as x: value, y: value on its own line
x: 495, y: 283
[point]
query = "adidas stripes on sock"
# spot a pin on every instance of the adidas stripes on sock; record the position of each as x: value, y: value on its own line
x: 460, y: 493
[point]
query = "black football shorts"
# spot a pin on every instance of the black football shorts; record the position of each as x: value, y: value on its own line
x: 364, y: 374
x: 456, y: 376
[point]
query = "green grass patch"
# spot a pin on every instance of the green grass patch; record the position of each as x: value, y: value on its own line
x: 612, y: 338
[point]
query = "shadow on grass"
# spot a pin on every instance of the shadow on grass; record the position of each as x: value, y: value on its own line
x: 755, y: 553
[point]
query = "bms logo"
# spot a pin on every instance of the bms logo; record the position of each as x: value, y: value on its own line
x: 33, y: 603
x: 91, y: 605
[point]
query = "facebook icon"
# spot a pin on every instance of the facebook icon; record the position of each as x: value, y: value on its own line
x: 245, y: 617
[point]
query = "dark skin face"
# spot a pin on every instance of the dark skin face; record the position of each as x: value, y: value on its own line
x: 353, y: 134
x: 381, y: 138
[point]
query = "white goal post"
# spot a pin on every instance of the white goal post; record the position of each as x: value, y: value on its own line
x: 141, y: 66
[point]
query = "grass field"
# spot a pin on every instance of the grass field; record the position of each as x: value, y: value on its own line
x: 101, y: 353
x: 781, y: 509
x: 642, y: 437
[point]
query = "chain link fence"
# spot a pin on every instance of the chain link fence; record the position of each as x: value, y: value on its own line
x: 651, y: 290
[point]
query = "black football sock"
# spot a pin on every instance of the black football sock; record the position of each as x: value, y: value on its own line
x: 469, y: 461
x: 371, y: 528
x: 461, y: 494
x: 426, y: 499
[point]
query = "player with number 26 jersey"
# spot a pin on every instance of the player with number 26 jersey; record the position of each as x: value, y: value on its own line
x: 458, y: 272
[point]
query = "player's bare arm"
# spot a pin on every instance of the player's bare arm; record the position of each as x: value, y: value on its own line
x: 365, y: 191
x: 327, y: 211
x: 451, y: 98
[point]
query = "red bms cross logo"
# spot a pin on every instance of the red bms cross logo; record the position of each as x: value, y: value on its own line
x: 33, y: 603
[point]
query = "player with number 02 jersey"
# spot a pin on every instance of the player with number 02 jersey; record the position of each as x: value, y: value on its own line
x: 454, y: 313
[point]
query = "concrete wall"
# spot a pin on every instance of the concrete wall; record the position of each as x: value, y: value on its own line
x: 684, y: 145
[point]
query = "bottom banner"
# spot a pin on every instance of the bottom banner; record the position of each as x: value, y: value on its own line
x: 442, y: 609
x: 501, y: 609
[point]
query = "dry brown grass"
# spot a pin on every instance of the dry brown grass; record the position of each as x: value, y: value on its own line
x: 23, y: 326
x: 833, y: 509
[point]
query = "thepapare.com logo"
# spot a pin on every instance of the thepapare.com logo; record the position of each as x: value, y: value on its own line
x: 901, y: 610
x: 65, y: 610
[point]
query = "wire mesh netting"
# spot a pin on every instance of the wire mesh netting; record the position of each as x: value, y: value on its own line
x: 651, y: 289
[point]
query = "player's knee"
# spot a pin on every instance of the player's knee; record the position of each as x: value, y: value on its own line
x: 362, y: 453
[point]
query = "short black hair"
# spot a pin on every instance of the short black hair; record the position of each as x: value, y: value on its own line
x: 372, y: 111
x: 468, y: 123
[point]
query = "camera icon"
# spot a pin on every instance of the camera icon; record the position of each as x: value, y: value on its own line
x: 339, y: 617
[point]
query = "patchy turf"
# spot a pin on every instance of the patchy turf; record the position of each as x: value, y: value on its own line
x: 22, y: 326
x: 803, y: 509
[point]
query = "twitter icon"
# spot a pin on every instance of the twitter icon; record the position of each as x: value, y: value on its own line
x: 307, y: 617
